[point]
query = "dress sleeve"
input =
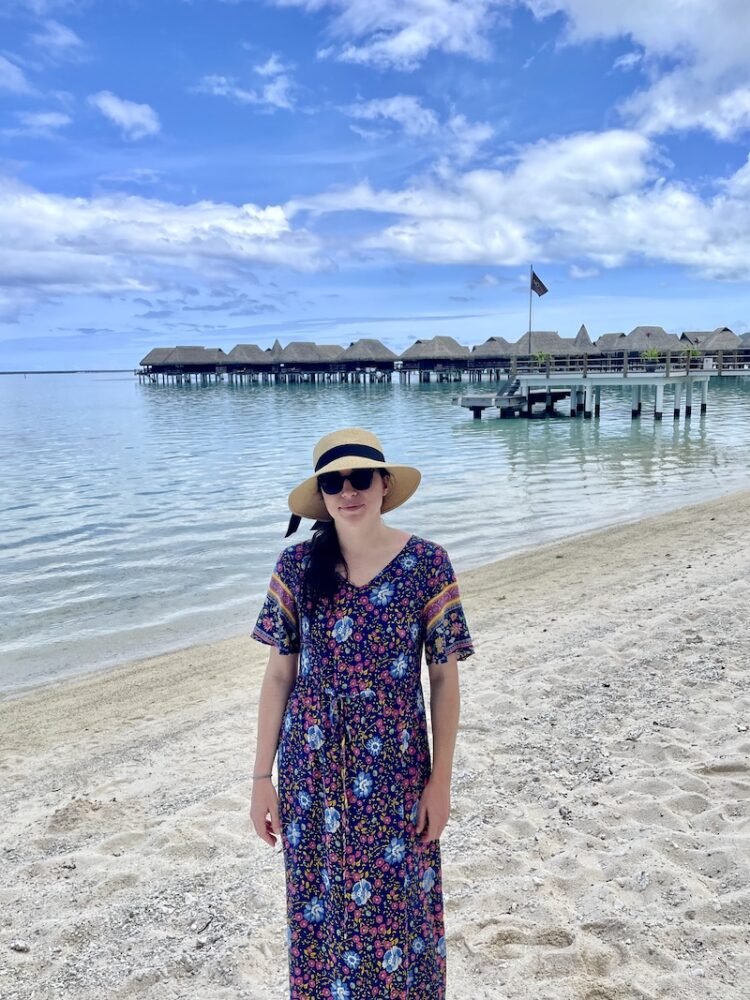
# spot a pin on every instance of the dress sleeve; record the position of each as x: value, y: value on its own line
x: 445, y: 628
x: 278, y: 621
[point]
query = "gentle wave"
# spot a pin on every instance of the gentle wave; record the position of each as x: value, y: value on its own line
x: 139, y: 519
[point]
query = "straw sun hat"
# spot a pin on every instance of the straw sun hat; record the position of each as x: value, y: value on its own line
x: 350, y: 448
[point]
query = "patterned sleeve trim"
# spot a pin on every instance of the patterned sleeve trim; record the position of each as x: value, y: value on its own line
x: 284, y: 598
x: 277, y: 623
x: 437, y: 606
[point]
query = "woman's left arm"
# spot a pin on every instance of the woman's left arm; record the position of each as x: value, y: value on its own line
x: 445, y: 704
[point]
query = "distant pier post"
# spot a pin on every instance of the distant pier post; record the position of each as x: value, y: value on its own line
x: 588, y: 406
x: 573, y: 400
x: 688, y: 398
x: 597, y: 401
x: 635, y: 405
x: 704, y: 396
x: 677, y: 399
x: 659, y: 401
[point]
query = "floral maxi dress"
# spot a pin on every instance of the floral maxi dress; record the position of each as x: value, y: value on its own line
x: 364, y: 893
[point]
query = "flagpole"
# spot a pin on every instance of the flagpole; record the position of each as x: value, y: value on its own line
x: 531, y: 274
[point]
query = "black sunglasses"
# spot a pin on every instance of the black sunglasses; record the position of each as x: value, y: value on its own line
x: 333, y: 482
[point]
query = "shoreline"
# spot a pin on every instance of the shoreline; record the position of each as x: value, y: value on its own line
x: 126, y: 663
x: 599, y: 843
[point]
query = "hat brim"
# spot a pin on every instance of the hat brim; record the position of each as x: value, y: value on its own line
x: 306, y: 500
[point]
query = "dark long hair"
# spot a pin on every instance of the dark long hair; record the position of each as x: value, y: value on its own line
x: 321, y: 580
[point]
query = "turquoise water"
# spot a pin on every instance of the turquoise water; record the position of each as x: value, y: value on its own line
x: 139, y: 519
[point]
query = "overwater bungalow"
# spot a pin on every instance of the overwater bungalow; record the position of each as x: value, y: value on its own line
x: 183, y: 363
x: 367, y: 356
x: 711, y: 341
x: 608, y: 343
x: 542, y: 342
x: 583, y: 344
x: 442, y: 355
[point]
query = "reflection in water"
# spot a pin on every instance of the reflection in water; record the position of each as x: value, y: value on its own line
x: 140, y: 518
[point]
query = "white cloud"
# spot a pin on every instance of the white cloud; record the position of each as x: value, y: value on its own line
x: 582, y: 272
x: 57, y: 40
x: 628, y: 61
x: 43, y: 124
x: 402, y: 33
x: 695, y: 51
x: 277, y: 93
x: 135, y: 121
x: 458, y: 137
x: 12, y: 77
x: 407, y: 111
x: 58, y: 245
x: 599, y: 198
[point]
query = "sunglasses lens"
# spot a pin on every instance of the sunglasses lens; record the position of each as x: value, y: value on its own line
x: 333, y: 482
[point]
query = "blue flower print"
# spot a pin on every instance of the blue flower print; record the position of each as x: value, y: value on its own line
x: 428, y: 879
x: 405, y: 737
x: 395, y: 851
x: 418, y: 946
x: 332, y: 819
x: 362, y: 785
x: 339, y: 990
x: 288, y: 937
x: 305, y: 625
x: 361, y: 891
x: 374, y: 745
x: 343, y: 629
x: 392, y: 959
x: 400, y: 666
x: 287, y: 722
x: 414, y: 812
x: 408, y: 561
x: 352, y: 959
x: 414, y: 631
x: 381, y: 595
x: 410, y: 977
x: 325, y: 878
x: 315, y: 737
x: 315, y: 911
x: 293, y: 833
x: 304, y: 661
x: 441, y: 947
x: 304, y: 799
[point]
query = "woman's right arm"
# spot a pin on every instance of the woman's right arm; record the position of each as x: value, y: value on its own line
x: 278, y: 681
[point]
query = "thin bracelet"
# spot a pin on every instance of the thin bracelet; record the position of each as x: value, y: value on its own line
x: 257, y: 777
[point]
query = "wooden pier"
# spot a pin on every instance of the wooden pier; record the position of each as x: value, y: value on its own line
x: 581, y: 390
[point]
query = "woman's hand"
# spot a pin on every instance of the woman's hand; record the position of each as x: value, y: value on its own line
x: 434, y: 809
x: 264, y: 811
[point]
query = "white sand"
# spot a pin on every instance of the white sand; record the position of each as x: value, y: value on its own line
x: 600, y: 842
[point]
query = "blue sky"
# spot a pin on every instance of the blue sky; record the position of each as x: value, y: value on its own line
x: 232, y: 171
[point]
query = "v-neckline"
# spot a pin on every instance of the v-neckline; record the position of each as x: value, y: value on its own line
x: 371, y: 581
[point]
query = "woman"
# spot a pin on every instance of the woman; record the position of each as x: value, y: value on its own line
x: 361, y: 808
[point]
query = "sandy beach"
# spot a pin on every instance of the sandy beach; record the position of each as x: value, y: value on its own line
x: 599, y: 847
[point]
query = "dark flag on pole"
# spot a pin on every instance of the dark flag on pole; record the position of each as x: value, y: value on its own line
x: 537, y: 285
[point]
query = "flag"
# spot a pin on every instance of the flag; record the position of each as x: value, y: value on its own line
x: 537, y: 285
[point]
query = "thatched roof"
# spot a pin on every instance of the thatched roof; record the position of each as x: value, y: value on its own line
x: 436, y: 349
x: 274, y: 352
x: 721, y: 340
x: 248, y: 354
x: 544, y: 342
x: 157, y: 356
x: 745, y: 338
x: 610, y: 343
x: 330, y: 352
x: 495, y: 347
x: 695, y: 337
x: 301, y: 352
x: 643, y: 337
x: 367, y: 349
x: 582, y: 343
x: 187, y: 356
